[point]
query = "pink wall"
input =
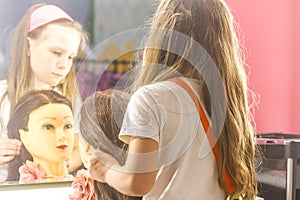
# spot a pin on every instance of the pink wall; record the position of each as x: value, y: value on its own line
x: 272, y: 29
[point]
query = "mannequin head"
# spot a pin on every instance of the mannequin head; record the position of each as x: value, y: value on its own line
x: 52, y: 123
x: 43, y: 121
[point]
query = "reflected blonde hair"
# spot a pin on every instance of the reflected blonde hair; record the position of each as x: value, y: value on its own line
x: 20, y: 74
x: 209, y: 23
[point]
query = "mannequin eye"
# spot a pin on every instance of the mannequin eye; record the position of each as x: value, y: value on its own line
x: 48, y: 127
x: 69, y: 126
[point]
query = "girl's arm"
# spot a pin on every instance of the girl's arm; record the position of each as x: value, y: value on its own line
x: 137, y: 176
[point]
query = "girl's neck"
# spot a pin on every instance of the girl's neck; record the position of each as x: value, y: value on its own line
x: 53, y: 169
x: 37, y: 85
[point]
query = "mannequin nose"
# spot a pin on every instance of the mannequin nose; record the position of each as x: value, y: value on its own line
x: 60, y: 135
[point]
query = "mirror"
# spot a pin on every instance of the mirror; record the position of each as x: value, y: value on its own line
x: 104, y: 63
x: 56, y: 189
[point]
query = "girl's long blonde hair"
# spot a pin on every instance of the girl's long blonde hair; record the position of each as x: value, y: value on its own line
x: 19, y: 72
x: 209, y: 23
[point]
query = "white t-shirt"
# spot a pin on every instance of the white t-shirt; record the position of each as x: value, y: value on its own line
x: 165, y: 113
x: 4, y: 118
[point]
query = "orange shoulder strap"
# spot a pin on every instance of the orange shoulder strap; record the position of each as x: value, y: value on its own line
x: 208, y: 131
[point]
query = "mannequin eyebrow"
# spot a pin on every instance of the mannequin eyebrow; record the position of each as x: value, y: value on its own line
x: 54, y: 118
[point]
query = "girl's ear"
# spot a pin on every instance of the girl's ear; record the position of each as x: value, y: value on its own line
x: 29, y: 45
x: 23, y: 137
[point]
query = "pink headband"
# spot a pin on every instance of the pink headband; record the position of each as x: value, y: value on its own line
x: 46, y: 14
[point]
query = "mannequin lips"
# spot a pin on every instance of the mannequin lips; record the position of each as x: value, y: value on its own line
x: 63, y: 147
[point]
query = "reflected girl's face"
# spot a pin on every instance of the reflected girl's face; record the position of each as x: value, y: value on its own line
x: 50, y: 135
x: 52, y: 54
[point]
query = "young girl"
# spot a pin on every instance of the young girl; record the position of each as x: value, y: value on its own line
x: 173, y: 152
x: 101, y: 119
x: 43, y: 121
x: 44, y: 44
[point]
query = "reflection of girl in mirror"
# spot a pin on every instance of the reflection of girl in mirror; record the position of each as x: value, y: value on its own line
x: 43, y: 121
x: 101, y: 118
x: 44, y: 44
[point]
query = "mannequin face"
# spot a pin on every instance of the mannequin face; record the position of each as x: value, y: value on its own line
x: 50, y: 135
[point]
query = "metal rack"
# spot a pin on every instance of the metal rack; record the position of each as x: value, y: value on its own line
x: 282, y: 152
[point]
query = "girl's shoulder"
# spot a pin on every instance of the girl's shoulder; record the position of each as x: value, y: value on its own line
x: 3, y: 83
x: 158, y: 87
x: 164, y: 88
x: 160, y: 92
x: 3, y: 86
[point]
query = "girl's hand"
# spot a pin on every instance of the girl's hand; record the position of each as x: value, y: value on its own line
x: 99, y: 164
x: 9, y: 148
